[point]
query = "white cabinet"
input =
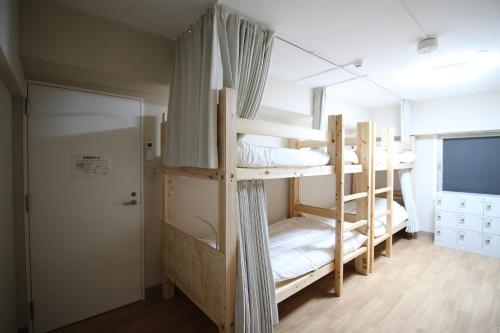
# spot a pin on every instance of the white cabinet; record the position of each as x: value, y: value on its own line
x: 491, y: 225
x: 491, y: 245
x: 469, y: 240
x: 447, y: 219
x: 492, y: 206
x: 469, y: 222
x: 446, y: 235
x: 448, y: 203
x: 468, y: 204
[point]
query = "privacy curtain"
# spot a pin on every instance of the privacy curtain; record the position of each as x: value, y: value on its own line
x: 245, y: 50
x: 405, y: 175
x: 191, y: 138
x: 319, y: 95
x: 223, y: 42
x: 256, y: 309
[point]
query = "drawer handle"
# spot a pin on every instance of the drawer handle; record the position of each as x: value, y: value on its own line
x: 438, y: 218
x: 462, y: 221
x: 462, y: 205
x: 487, y: 242
x: 461, y: 237
x: 488, y: 224
x: 438, y: 232
x: 439, y: 202
x: 488, y: 207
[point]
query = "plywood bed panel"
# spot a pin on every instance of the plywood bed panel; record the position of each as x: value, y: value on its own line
x: 197, y: 269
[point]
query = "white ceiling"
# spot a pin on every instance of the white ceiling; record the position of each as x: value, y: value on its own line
x: 381, y: 32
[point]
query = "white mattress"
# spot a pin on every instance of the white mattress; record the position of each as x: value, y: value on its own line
x: 399, y: 214
x: 253, y: 156
x: 397, y: 158
x: 300, y: 245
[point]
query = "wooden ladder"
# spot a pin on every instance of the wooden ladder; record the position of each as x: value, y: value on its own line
x: 361, y: 193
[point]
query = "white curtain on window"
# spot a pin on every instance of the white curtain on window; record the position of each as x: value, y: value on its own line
x: 319, y: 95
x: 405, y: 176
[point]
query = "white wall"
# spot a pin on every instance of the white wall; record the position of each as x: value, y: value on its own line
x: 8, y: 299
x: 353, y: 113
x: 285, y: 95
x: 388, y: 116
x: 11, y: 70
x: 460, y: 114
x: 153, y: 195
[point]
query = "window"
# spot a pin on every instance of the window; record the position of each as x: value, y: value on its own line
x: 471, y: 164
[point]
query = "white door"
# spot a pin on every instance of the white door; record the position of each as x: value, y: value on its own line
x: 84, y: 159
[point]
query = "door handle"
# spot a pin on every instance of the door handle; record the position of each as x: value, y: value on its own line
x: 130, y: 203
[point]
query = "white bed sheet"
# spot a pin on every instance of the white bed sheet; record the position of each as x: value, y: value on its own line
x: 303, y: 244
x: 397, y: 158
x: 253, y: 156
x: 399, y: 214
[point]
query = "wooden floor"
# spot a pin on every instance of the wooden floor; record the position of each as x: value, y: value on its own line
x: 422, y: 288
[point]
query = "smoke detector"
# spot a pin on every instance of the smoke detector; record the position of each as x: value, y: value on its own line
x: 358, y: 63
x: 427, y: 45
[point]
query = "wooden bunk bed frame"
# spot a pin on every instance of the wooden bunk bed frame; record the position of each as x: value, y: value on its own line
x: 208, y: 275
x: 390, y: 145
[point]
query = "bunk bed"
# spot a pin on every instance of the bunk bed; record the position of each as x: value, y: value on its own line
x: 206, y: 272
x: 389, y: 216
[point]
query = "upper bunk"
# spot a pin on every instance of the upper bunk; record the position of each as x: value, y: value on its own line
x: 303, y: 142
x: 402, y: 157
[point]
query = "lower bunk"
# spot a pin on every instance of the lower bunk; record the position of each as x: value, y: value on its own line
x: 302, y: 251
x: 399, y: 219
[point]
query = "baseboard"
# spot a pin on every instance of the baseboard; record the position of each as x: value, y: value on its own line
x: 153, y: 292
x: 23, y: 330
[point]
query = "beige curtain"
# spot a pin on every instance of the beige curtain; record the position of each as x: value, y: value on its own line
x: 319, y: 95
x: 240, y: 49
x: 246, y: 54
x: 191, y: 138
x: 256, y: 309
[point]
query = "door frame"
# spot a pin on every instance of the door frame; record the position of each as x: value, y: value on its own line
x: 26, y: 165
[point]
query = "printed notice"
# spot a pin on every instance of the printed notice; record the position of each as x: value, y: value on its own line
x: 90, y: 165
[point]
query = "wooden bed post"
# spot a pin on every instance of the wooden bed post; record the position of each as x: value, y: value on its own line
x: 336, y: 125
x: 364, y: 183
x: 294, y: 188
x: 227, y: 199
x: 168, y: 212
x: 388, y: 142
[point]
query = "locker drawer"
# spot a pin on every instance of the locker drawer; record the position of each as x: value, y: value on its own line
x: 469, y: 239
x: 470, y: 222
x: 470, y: 205
x: 446, y: 219
x: 446, y: 202
x: 492, y: 207
x: 491, y: 225
x: 491, y: 243
x: 445, y: 235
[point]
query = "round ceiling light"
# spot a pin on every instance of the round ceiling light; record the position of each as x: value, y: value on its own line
x: 427, y: 45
